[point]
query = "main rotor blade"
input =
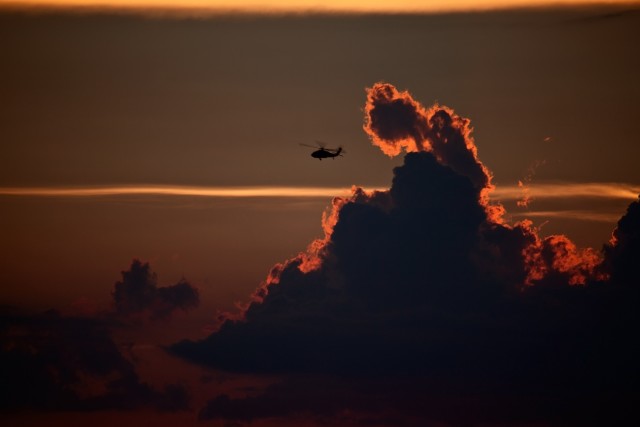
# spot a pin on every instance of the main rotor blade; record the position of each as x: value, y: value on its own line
x: 310, y: 146
x: 335, y: 150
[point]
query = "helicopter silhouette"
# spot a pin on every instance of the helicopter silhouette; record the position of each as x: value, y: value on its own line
x: 324, y: 153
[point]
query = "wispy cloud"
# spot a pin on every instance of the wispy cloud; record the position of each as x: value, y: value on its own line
x: 579, y: 215
x: 604, y: 190
x: 610, y: 190
x: 174, y: 190
x: 217, y: 6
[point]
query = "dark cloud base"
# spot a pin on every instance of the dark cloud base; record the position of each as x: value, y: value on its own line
x: 421, y: 304
x: 53, y: 363
x: 50, y: 362
x: 411, y: 401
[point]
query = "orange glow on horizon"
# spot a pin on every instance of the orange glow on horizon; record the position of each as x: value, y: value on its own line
x: 309, y: 5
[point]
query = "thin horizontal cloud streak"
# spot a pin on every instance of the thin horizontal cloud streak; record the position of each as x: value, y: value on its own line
x: 207, y: 7
x: 604, y: 190
x: 608, y: 217
x: 193, y: 191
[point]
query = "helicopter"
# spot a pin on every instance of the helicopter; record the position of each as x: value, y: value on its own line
x: 322, y: 152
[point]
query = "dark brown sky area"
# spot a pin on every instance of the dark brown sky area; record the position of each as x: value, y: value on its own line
x: 118, y: 99
x: 112, y: 99
x: 423, y: 288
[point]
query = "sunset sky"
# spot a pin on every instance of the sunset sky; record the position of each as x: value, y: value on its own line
x: 174, y: 138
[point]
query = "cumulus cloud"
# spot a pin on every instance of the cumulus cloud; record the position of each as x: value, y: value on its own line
x: 622, y: 253
x: 394, y: 120
x: 49, y: 362
x: 137, y: 294
x: 426, y: 288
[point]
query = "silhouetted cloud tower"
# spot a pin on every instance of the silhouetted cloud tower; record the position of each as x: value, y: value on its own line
x: 137, y: 294
x: 427, y: 279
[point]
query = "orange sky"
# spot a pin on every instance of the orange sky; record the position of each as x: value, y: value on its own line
x: 336, y: 5
x: 177, y: 142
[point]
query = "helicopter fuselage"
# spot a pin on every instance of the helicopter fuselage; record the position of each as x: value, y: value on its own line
x: 324, y: 154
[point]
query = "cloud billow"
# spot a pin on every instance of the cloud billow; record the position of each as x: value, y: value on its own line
x: 394, y: 120
x: 425, y: 281
x: 50, y: 362
x: 137, y: 294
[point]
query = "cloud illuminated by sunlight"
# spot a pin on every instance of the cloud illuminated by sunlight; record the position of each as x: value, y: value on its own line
x: 577, y: 215
x: 158, y: 190
x: 501, y: 193
x: 610, y: 191
x: 607, y: 190
x: 311, y: 5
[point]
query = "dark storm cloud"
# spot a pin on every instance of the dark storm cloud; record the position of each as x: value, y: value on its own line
x: 305, y: 397
x: 411, y: 402
x: 424, y: 282
x: 53, y: 363
x: 622, y: 254
x: 137, y: 294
